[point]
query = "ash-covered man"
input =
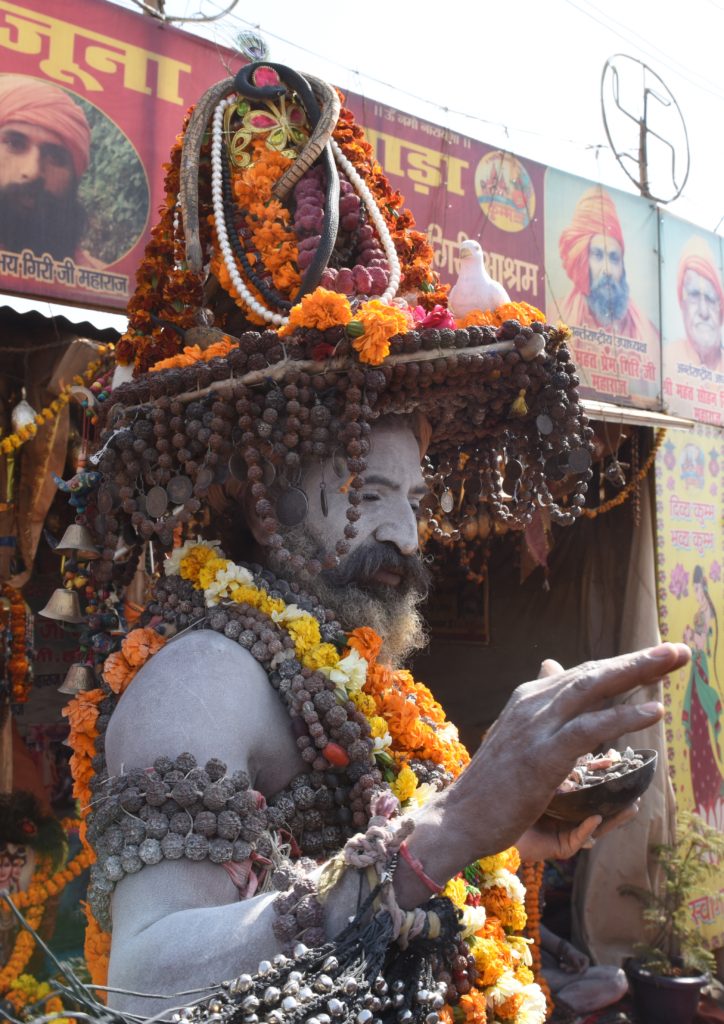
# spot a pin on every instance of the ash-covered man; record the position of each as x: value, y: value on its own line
x: 44, y: 152
x: 179, y: 925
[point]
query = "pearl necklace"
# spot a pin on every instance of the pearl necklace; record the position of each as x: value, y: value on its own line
x: 360, y: 186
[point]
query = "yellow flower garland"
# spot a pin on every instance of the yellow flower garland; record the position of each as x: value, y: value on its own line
x: 14, y: 441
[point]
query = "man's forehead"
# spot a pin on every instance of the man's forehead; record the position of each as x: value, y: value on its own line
x: 692, y: 279
x: 395, y: 451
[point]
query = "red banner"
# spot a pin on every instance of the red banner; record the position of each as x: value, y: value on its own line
x: 91, y: 99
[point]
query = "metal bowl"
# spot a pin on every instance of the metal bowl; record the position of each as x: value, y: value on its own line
x: 606, y: 797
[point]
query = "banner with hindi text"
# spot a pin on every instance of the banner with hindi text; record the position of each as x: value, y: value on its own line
x: 690, y: 556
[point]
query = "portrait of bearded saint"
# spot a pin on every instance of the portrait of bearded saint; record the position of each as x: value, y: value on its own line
x: 592, y: 251
x: 271, y: 796
x: 44, y: 152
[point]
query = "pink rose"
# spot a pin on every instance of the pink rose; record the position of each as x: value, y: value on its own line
x: 437, y: 317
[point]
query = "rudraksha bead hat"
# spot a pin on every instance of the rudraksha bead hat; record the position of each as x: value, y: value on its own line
x: 284, y: 304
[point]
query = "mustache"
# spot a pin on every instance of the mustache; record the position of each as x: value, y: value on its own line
x: 361, y: 565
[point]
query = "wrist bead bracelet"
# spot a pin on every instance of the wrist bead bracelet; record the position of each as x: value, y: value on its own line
x: 417, y: 867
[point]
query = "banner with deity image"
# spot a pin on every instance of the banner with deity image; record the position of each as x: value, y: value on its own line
x: 692, y: 313
x: 459, y: 188
x: 690, y: 554
x: 602, y: 280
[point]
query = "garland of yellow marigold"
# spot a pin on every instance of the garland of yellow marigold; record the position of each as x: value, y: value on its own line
x: 32, y: 901
x: 625, y: 493
x: 406, y: 722
x: 14, y: 441
x: 17, y: 664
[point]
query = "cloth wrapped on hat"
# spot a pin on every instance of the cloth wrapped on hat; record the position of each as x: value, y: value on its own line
x: 595, y: 214
x: 33, y: 101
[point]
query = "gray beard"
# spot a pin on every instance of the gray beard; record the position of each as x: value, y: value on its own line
x: 392, y: 612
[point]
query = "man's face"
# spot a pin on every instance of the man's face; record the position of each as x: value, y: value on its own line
x: 605, y: 257
x: 608, y: 293
x: 39, y: 205
x: 29, y: 153
x: 702, y: 313
x: 382, y: 579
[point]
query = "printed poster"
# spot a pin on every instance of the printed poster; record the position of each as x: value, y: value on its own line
x: 692, y: 302
x: 92, y: 97
x: 458, y: 188
x: 602, y: 280
x: 690, y: 553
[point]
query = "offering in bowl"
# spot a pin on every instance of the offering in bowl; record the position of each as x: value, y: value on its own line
x: 603, y: 784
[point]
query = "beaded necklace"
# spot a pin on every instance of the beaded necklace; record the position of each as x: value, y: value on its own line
x: 362, y: 728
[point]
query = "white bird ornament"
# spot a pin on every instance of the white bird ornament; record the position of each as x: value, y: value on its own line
x: 474, y: 288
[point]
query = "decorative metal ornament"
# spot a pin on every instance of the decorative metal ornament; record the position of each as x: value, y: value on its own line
x: 63, y: 606
x: 614, y: 473
x: 323, y: 499
x: 237, y: 468
x: 23, y: 415
x: 179, y: 489
x: 78, y: 679
x: 105, y: 500
x: 579, y: 460
x: 292, y: 506
x: 270, y: 472
x: 78, y: 539
x: 544, y: 424
x: 204, y: 479
x: 156, y: 502
x: 447, y: 501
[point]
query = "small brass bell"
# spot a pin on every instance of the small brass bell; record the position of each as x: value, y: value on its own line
x: 63, y: 606
x: 78, y: 539
x: 78, y: 678
x: 23, y: 413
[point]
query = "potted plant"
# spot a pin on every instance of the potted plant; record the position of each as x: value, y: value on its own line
x: 667, y: 973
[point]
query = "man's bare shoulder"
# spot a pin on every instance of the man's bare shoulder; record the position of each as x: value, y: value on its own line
x: 203, y: 693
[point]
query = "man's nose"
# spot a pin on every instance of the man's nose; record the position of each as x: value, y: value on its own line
x: 31, y: 164
x: 400, y: 530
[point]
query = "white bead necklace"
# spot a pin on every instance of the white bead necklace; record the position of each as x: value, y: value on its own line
x: 227, y: 254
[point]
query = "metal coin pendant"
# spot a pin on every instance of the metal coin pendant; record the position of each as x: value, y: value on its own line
x: 447, y: 501
x: 237, y: 465
x: 204, y: 479
x: 179, y: 489
x: 269, y: 470
x: 544, y: 423
x: 292, y: 506
x: 579, y: 460
x: 156, y: 502
x: 105, y: 500
x: 514, y: 469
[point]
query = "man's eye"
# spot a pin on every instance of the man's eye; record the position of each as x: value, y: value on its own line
x: 370, y: 496
x: 15, y: 143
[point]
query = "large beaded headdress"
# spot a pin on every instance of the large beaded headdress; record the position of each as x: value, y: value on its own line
x: 284, y: 304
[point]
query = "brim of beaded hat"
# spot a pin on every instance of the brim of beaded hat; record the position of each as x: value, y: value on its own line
x: 465, y: 391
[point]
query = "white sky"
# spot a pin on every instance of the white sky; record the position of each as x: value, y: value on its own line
x: 523, y: 76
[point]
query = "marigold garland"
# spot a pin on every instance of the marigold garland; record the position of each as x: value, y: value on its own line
x: 532, y: 876
x: 43, y: 886
x: 17, y: 663
x: 406, y: 722
x: 14, y: 441
x: 523, y: 312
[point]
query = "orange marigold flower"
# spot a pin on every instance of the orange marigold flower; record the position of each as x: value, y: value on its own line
x: 82, y: 712
x: 366, y: 642
x: 474, y: 1007
x: 117, y: 672
x: 381, y: 323
x: 319, y: 309
x: 140, y: 644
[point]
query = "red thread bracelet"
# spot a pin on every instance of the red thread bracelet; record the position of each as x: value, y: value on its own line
x: 418, y: 869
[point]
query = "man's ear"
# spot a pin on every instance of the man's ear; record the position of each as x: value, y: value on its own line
x: 252, y: 519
